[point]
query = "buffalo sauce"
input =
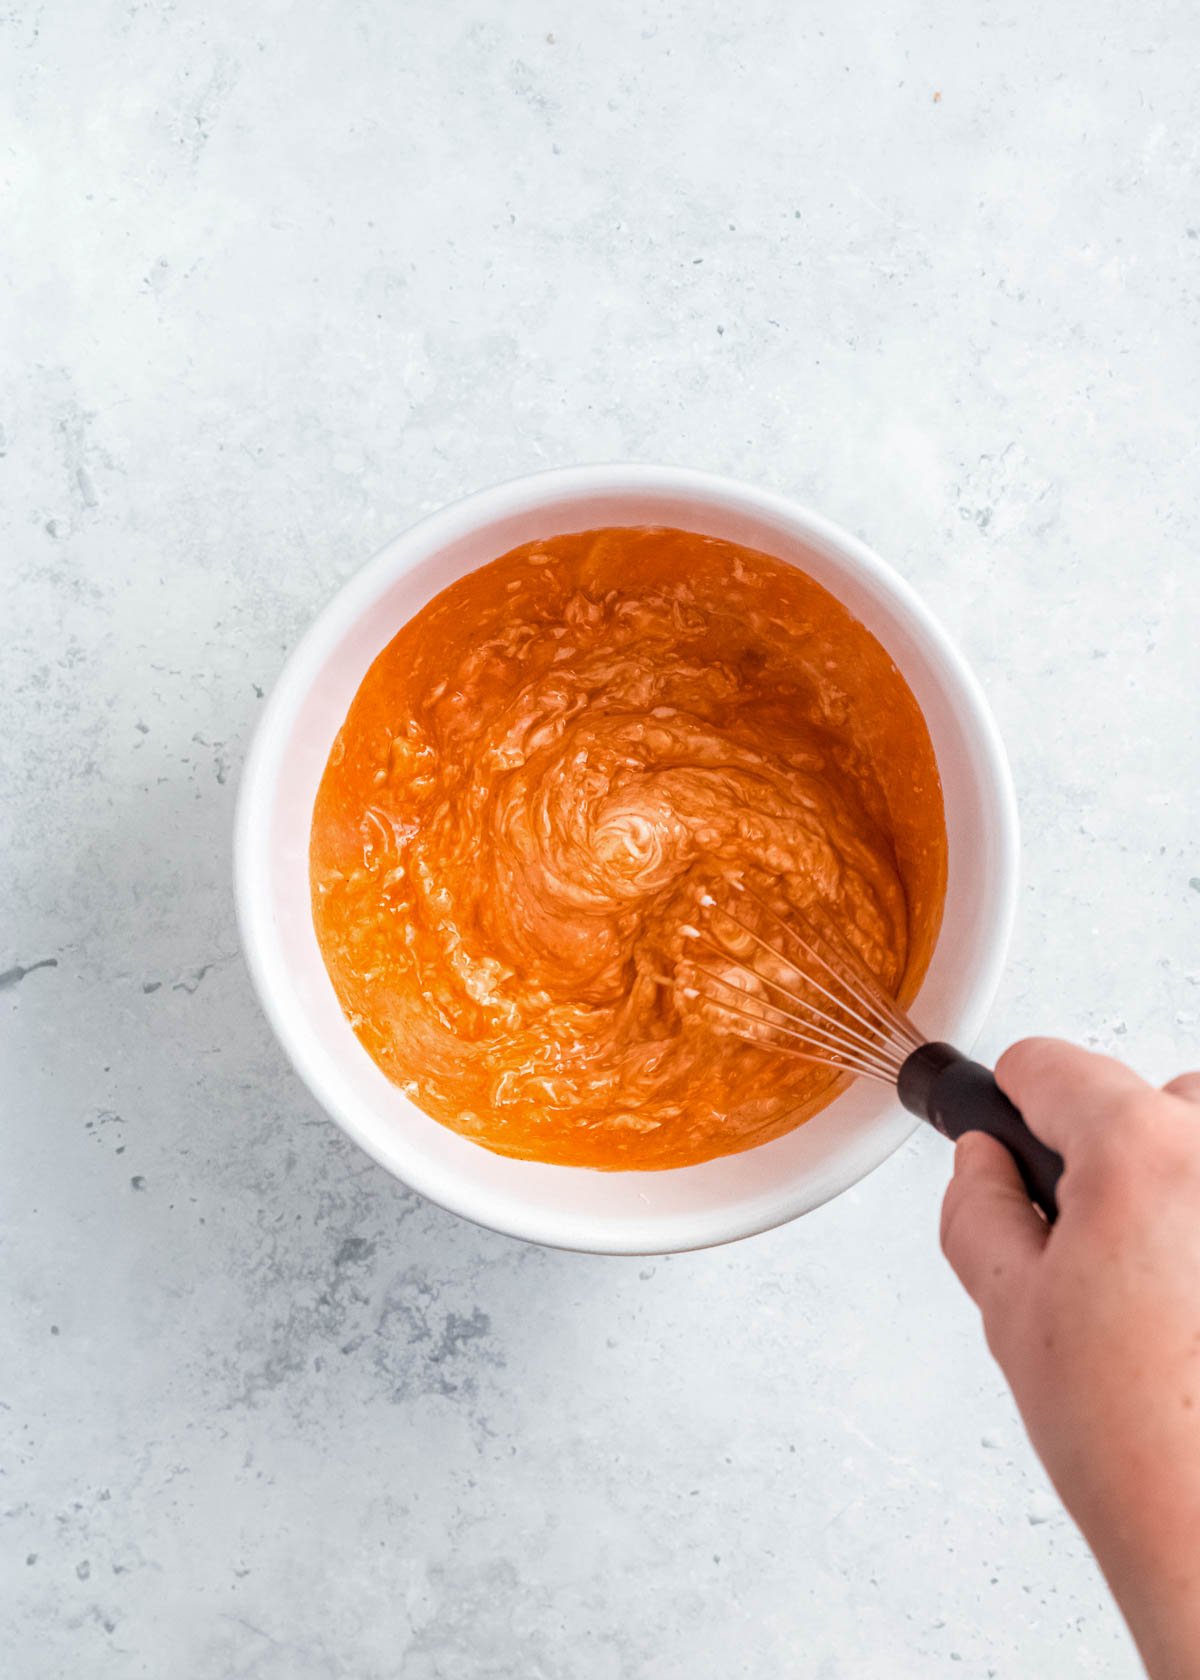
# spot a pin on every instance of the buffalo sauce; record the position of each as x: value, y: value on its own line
x: 536, y: 780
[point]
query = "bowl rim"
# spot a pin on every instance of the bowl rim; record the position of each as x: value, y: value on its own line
x: 439, y: 530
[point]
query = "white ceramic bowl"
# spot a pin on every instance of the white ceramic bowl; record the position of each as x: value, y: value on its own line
x: 573, y: 1207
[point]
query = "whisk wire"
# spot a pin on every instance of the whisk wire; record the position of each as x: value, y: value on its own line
x: 931, y: 1078
x: 869, y: 1034
x: 864, y: 1059
x: 854, y: 1040
x: 860, y: 980
x: 835, y: 1059
x: 809, y: 979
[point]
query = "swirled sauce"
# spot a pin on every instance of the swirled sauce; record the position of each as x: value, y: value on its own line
x: 535, y: 780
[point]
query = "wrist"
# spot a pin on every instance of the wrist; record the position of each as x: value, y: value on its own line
x: 1151, y: 1562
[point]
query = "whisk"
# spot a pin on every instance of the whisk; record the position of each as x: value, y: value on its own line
x: 805, y: 992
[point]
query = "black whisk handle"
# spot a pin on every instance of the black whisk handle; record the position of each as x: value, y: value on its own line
x: 957, y: 1095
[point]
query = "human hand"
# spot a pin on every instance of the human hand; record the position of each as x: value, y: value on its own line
x: 1095, y: 1321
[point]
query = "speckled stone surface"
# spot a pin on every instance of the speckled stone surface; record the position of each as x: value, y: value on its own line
x: 280, y: 278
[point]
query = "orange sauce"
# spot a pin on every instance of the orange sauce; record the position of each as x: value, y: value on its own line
x: 535, y: 780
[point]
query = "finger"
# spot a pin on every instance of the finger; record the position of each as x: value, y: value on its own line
x: 1065, y: 1094
x: 1185, y: 1085
x: 991, y: 1232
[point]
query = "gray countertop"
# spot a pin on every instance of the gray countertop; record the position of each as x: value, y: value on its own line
x: 286, y: 277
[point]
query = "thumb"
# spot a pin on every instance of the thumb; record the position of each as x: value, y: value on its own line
x: 991, y: 1232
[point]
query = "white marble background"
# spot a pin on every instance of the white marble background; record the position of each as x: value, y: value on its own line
x: 278, y: 278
